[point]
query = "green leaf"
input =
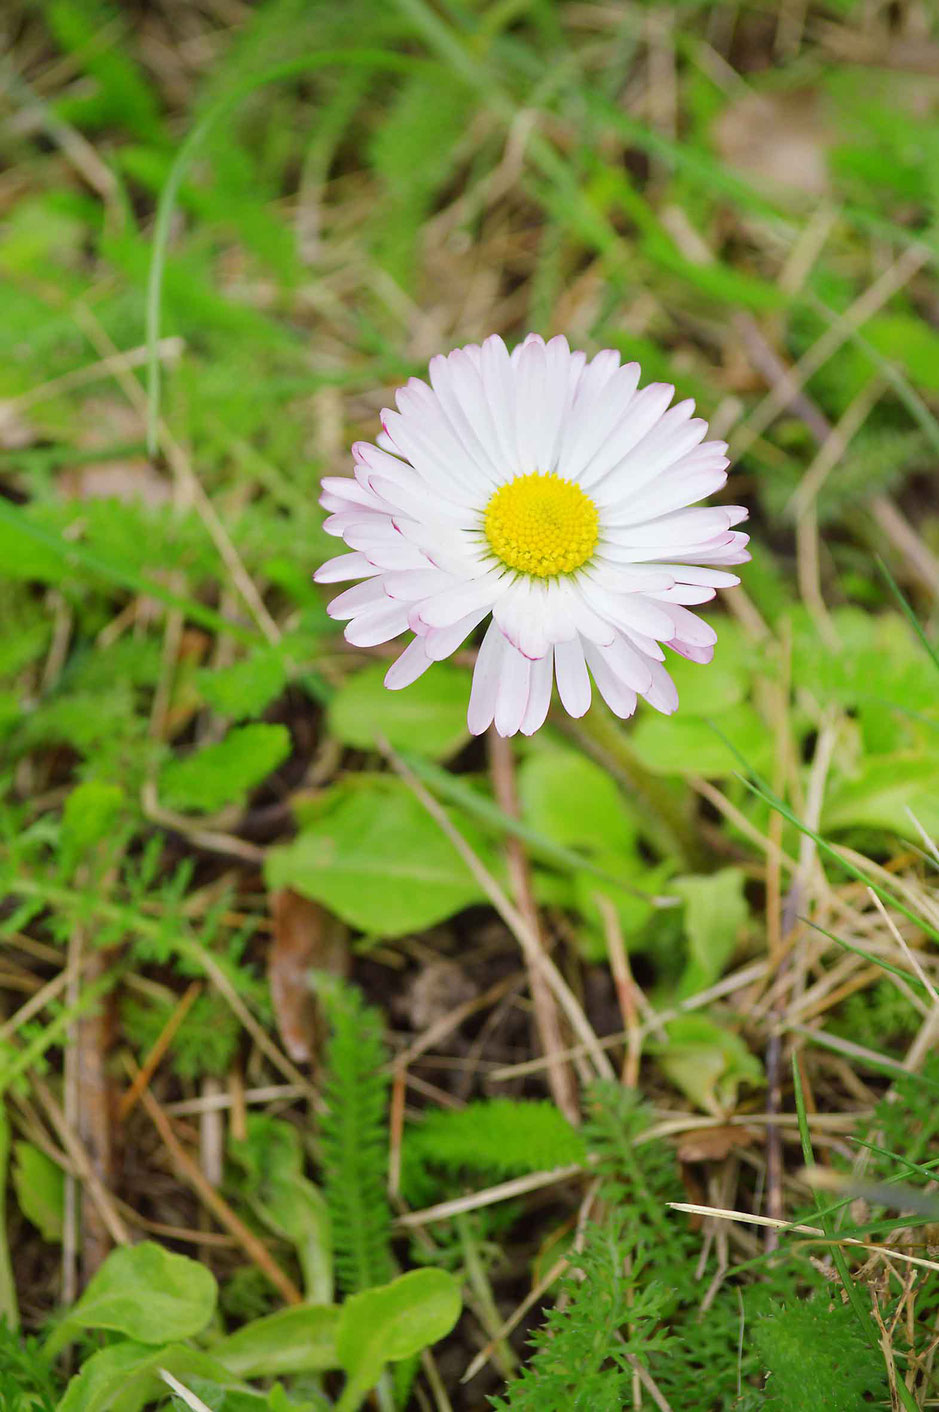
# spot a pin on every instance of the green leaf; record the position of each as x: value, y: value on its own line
x: 89, y: 815
x: 877, y: 659
x: 300, y: 1340
x: 492, y: 1137
x: 882, y: 792
x: 284, y: 1199
x: 708, y: 1063
x: 708, y: 690
x: 817, y: 1357
x: 246, y: 687
x: 224, y: 773
x: 375, y: 857
x: 574, y: 802
x: 40, y: 1189
x: 429, y: 717
x: 23, y: 555
x: 144, y: 1292
x: 909, y: 342
x: 125, y: 1376
x: 715, y: 914
x: 394, y: 1321
x: 683, y: 745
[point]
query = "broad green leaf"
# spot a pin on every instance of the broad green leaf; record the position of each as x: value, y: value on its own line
x: 374, y: 856
x: 909, y: 342
x: 144, y: 1292
x: 876, y: 659
x: 429, y: 717
x: 715, y: 914
x: 395, y: 1321
x: 708, y: 690
x: 708, y: 1063
x: 125, y: 1376
x: 684, y: 745
x: 284, y: 1199
x: 299, y: 1340
x: 246, y: 687
x: 883, y: 793
x: 40, y: 1189
x: 574, y: 802
x: 224, y: 773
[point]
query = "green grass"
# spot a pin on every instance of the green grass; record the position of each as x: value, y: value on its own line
x: 226, y: 235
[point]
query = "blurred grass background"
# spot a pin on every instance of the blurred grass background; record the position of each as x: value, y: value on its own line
x: 282, y: 210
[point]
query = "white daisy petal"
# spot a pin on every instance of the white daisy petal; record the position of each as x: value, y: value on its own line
x: 377, y: 466
x: 620, y: 698
x: 452, y: 382
x: 668, y: 492
x: 443, y: 642
x: 686, y: 593
x: 412, y: 663
x: 573, y: 679
x: 378, y: 624
x: 498, y: 380
x: 412, y: 584
x: 370, y: 594
x: 382, y: 545
x: 424, y: 436
x: 690, y: 526
x: 689, y: 627
x: 645, y: 409
x: 484, y: 692
x: 539, y: 694
x: 662, y: 694
x: 546, y: 496
x: 602, y: 401
x: 513, y: 691
x: 691, y: 573
x: 522, y: 614
x: 693, y: 654
x: 633, y: 667
x: 344, y: 566
x: 455, y: 603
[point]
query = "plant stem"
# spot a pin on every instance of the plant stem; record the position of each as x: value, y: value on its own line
x: 8, y: 1306
x: 479, y: 1283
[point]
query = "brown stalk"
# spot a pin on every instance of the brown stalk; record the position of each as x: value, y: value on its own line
x: 560, y: 1076
x: 162, y: 1043
x: 191, y: 1173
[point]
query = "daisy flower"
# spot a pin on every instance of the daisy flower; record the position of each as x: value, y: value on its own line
x: 549, y: 495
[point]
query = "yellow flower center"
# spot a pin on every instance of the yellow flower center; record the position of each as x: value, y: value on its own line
x: 541, y: 525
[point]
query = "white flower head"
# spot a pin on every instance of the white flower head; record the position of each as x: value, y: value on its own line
x: 553, y: 495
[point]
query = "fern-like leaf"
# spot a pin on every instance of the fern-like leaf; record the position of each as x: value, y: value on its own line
x: 817, y: 1357
x: 354, y: 1140
x: 498, y: 1137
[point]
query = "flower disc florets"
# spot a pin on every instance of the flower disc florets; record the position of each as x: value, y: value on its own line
x: 549, y: 494
x: 541, y: 525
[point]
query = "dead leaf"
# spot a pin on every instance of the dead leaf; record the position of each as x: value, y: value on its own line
x: 777, y: 137
x: 133, y: 479
x: 438, y: 988
x: 714, y: 1144
x: 16, y: 433
x: 306, y: 938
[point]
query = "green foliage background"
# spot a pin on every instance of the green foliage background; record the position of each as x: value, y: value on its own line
x: 226, y: 234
